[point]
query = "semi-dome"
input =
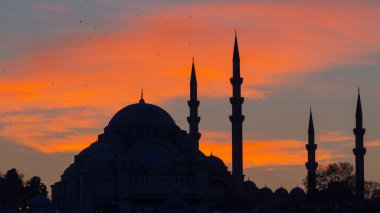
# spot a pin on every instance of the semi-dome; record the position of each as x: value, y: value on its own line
x: 95, y: 148
x: 141, y: 114
x: 216, y: 164
x: 297, y: 192
x: 281, y: 192
x: 69, y: 171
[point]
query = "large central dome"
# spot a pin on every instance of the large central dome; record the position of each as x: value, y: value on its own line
x: 141, y: 114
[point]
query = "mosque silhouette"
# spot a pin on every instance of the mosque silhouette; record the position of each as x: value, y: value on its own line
x: 143, y: 162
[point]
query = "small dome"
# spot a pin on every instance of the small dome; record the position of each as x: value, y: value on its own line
x: 141, y: 114
x: 297, y: 192
x: 40, y: 202
x: 216, y: 164
x: 266, y: 192
x: 281, y: 192
x: 175, y: 203
x: 250, y: 185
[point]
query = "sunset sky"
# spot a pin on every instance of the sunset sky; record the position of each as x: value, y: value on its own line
x: 66, y: 67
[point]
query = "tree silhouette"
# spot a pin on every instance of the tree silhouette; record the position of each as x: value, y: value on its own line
x: 13, y: 189
x: 341, y: 172
x: 337, y: 180
x: 34, y: 187
x: 372, y: 190
x: 14, y: 193
x: 2, y: 192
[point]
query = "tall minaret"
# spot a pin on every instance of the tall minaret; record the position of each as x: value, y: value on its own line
x: 193, y: 103
x: 359, y: 151
x: 237, y: 120
x: 311, y: 165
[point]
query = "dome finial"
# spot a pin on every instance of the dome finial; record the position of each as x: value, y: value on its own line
x: 142, y: 97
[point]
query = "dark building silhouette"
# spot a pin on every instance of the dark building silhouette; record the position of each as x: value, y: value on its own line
x: 237, y: 120
x: 193, y: 104
x: 311, y: 164
x: 143, y: 162
x: 359, y: 150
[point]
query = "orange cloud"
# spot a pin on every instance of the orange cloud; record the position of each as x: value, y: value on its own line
x: 335, y: 136
x: 52, y: 130
x: 263, y: 152
x: 372, y: 143
x: 105, y: 70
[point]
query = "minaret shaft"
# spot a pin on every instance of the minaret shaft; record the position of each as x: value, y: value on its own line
x: 237, y: 121
x: 311, y: 164
x: 193, y: 104
x: 359, y: 151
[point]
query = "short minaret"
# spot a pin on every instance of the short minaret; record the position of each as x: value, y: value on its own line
x: 193, y: 103
x: 311, y: 164
x: 237, y: 121
x: 359, y: 151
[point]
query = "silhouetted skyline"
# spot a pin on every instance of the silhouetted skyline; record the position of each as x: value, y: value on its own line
x: 66, y: 67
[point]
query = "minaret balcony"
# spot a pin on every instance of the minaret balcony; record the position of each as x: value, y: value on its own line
x: 360, y: 151
x: 359, y: 131
x: 198, y: 136
x: 236, y: 100
x: 236, y: 80
x: 193, y: 103
x: 311, y: 147
x: 237, y: 118
x: 191, y: 119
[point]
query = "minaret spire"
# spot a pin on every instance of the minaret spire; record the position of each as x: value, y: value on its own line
x: 237, y: 120
x: 193, y: 78
x: 236, y: 57
x: 311, y: 164
x: 193, y: 104
x: 359, y: 150
x: 311, y: 123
